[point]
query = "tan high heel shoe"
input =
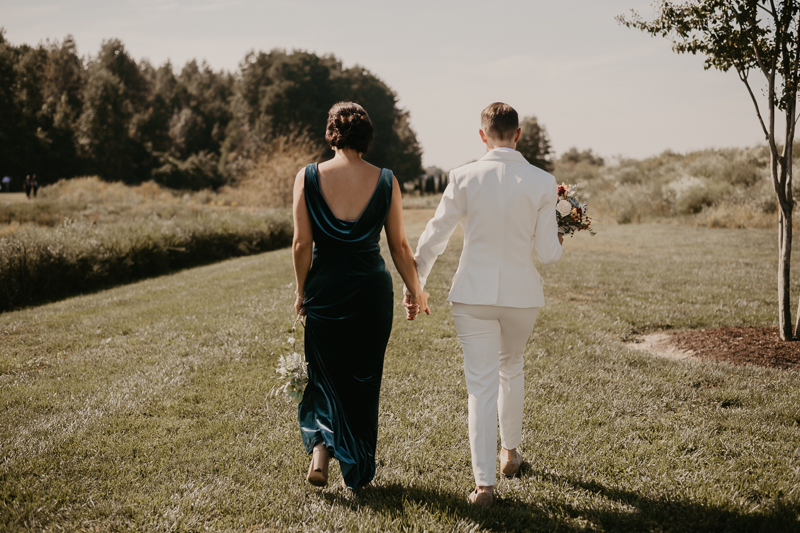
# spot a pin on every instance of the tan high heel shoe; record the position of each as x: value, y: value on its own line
x: 318, y: 469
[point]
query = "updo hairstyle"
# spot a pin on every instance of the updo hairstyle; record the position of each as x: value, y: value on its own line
x: 349, y: 126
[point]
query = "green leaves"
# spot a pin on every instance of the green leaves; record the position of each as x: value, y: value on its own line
x: 131, y: 122
x: 284, y: 93
x: 534, y: 144
x: 739, y: 34
x: 718, y: 29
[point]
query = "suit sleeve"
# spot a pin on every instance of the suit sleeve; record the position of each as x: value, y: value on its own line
x: 433, y: 240
x: 545, y: 240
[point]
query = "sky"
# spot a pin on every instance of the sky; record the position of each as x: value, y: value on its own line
x: 590, y: 81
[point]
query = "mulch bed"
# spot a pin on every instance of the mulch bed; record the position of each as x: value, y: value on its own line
x: 741, y: 346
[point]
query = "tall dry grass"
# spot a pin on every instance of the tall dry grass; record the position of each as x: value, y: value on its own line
x: 40, y: 264
x: 93, y: 200
x: 267, y: 179
x: 85, y: 234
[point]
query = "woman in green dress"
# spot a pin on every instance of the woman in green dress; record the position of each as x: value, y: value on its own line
x: 345, y: 292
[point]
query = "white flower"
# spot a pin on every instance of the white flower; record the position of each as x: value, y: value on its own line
x: 290, y: 340
x: 571, y: 191
x: 293, y: 369
x: 564, y: 208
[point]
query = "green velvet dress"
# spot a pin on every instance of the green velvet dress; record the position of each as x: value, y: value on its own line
x: 348, y: 303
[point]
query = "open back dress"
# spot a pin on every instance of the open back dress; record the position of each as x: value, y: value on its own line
x: 348, y: 305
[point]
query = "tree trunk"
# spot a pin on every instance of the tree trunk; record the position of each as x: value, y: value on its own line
x: 784, y: 270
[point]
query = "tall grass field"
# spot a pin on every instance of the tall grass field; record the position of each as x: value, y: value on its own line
x: 147, y: 407
x: 84, y: 235
x: 717, y: 188
x: 45, y: 264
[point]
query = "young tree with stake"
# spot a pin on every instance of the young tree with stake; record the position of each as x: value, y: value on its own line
x: 749, y: 36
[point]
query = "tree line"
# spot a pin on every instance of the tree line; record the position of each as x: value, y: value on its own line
x: 64, y: 115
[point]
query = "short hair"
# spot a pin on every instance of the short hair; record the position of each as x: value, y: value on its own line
x: 499, y: 121
x: 349, y: 126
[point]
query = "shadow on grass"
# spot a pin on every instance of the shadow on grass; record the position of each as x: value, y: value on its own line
x: 633, y: 511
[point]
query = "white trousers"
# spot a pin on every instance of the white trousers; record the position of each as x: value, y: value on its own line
x: 493, y: 339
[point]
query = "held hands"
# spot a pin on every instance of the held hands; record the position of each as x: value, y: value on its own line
x: 416, y: 304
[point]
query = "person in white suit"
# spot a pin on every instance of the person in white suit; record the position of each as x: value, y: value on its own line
x: 506, y: 207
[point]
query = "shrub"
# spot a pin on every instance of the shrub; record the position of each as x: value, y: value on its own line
x: 716, y: 188
x: 690, y: 194
x: 727, y: 214
x: 198, y: 171
x: 636, y: 203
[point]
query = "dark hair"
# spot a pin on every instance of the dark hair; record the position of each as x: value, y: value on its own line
x: 499, y: 121
x: 349, y: 126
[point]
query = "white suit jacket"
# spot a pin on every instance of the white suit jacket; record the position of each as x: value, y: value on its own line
x: 507, y: 208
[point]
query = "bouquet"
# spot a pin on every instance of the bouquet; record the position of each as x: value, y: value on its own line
x: 292, y: 369
x: 570, y: 213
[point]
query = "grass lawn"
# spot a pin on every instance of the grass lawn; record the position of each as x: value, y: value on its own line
x: 146, y: 407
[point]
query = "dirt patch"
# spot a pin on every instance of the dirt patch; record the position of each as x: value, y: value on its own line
x: 741, y: 346
x: 661, y: 344
x: 737, y: 345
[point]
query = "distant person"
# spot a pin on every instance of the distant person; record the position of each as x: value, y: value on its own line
x: 28, y: 186
x: 507, y: 208
x: 6, y: 184
x: 340, y: 207
x: 35, y: 186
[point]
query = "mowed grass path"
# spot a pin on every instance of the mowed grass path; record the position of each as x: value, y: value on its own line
x: 147, y: 407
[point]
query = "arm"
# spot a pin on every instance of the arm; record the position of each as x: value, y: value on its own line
x: 434, y: 239
x: 547, y: 240
x: 402, y: 255
x: 302, y: 241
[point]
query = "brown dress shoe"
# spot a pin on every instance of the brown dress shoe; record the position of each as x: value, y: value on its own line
x: 484, y: 499
x: 510, y: 468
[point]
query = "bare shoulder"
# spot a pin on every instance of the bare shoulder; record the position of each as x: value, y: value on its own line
x: 395, y: 184
x: 300, y: 177
x: 325, y: 165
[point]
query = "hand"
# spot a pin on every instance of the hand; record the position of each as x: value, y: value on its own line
x: 298, y: 305
x: 561, y: 239
x: 416, y: 304
x: 412, y: 309
x: 423, y: 303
